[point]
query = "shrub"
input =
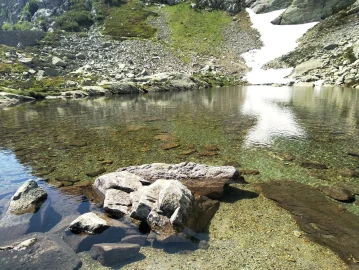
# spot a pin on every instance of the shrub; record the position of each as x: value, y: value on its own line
x: 6, y: 27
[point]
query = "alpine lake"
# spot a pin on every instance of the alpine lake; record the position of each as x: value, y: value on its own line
x: 267, y: 132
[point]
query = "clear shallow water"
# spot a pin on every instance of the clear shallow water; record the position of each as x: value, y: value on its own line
x: 12, y: 173
x: 253, y: 127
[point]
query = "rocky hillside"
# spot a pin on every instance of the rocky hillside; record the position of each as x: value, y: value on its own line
x: 328, y: 53
x: 98, y: 43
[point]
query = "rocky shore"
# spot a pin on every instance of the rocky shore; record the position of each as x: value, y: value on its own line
x: 169, y: 207
x: 163, y: 214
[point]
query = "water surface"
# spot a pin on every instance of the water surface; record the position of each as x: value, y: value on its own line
x: 253, y: 127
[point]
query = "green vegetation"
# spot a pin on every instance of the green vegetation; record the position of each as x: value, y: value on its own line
x: 6, y: 26
x: 31, y: 6
x: 38, y: 89
x: 77, y: 17
x: 216, y: 80
x: 196, y: 30
x: 23, y: 26
x: 129, y: 21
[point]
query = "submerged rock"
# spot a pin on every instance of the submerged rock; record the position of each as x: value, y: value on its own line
x: 337, y: 193
x: 115, y: 232
x: 27, y: 199
x: 110, y: 254
x: 313, y: 165
x: 324, y: 221
x: 47, y: 252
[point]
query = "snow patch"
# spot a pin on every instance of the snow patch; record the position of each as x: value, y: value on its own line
x: 278, y: 40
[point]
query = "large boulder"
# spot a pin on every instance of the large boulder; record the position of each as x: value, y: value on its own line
x: 311, y: 11
x: 27, y: 199
x: 123, y: 180
x: 304, y: 67
x: 199, y: 178
x: 124, y: 88
x: 161, y: 203
x: 263, y: 6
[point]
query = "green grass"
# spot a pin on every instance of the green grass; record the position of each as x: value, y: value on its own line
x: 196, y: 30
x: 129, y: 21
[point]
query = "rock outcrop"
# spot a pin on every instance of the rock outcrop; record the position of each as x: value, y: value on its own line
x: 162, y: 203
x: 232, y: 6
x: 263, y: 6
x: 311, y: 11
x: 202, y: 180
x: 27, y: 199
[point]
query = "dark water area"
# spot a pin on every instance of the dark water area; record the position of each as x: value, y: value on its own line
x: 270, y: 129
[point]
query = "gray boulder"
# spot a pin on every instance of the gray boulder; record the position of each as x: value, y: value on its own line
x: 232, y: 6
x: 89, y: 223
x: 162, y: 202
x: 263, y: 6
x: 94, y: 90
x: 202, y: 180
x: 116, y: 202
x: 110, y: 254
x: 303, y: 68
x: 123, y: 180
x: 56, y: 61
x: 311, y: 11
x: 124, y: 88
x: 27, y: 199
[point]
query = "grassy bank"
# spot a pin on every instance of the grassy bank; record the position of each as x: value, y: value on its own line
x: 196, y: 30
x: 129, y: 21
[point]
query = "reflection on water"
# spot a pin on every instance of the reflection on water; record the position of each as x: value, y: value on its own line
x: 66, y: 142
x: 274, y: 117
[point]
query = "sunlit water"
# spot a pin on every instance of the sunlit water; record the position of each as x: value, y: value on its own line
x: 248, y: 126
x: 278, y: 40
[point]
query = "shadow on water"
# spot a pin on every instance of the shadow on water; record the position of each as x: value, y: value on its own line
x: 233, y: 194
